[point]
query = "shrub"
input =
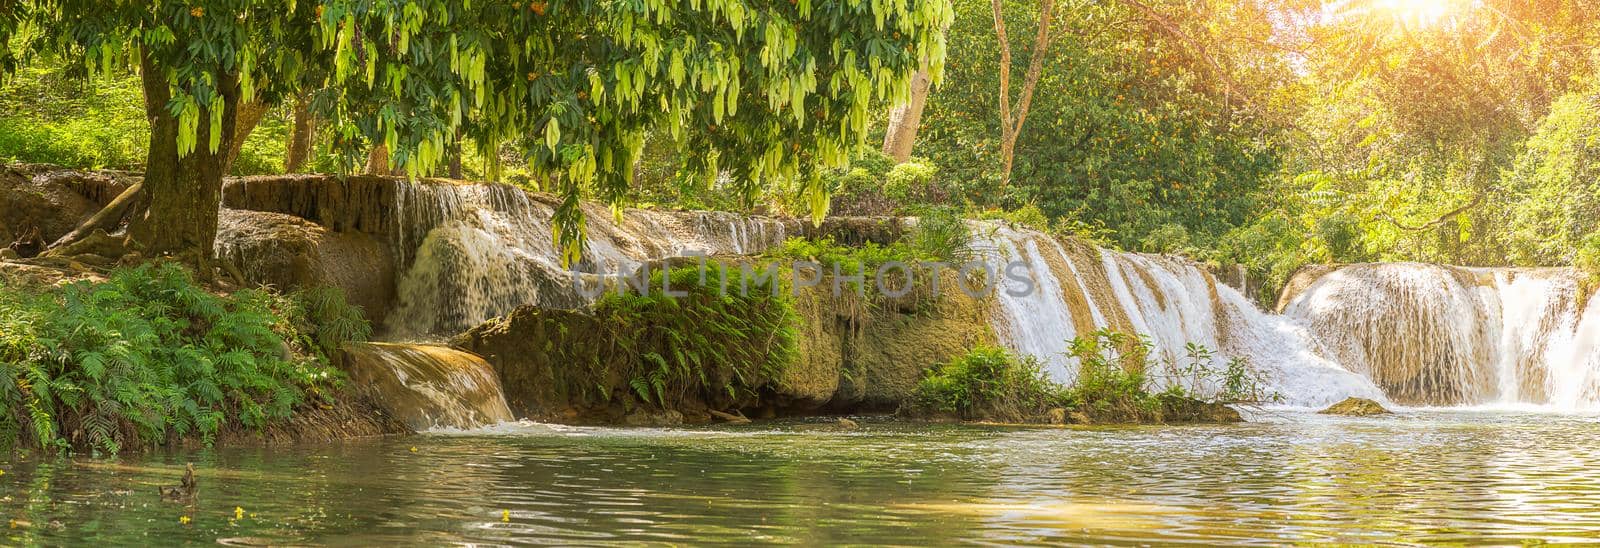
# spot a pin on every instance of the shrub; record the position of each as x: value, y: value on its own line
x: 1342, y: 234
x: 940, y: 235
x: 144, y: 357
x: 909, y: 182
x: 1112, y: 369
x: 988, y: 383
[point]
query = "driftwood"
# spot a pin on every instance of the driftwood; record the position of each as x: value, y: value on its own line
x: 106, y: 219
x: 728, y: 417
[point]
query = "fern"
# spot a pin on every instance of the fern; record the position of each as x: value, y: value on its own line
x: 148, y: 353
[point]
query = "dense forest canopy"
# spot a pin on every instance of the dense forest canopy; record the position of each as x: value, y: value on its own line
x: 1264, y: 132
x: 783, y: 87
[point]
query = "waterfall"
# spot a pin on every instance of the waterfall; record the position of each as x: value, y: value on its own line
x: 427, y: 386
x: 1445, y: 335
x: 1080, y: 288
x: 474, y: 252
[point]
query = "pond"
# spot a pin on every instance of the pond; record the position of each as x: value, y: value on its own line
x: 1426, y: 476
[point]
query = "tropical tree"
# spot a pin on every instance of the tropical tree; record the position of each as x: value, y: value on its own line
x: 765, y: 92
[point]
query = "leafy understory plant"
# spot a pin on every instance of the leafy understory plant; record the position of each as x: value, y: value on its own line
x: 148, y: 356
x: 1116, y: 378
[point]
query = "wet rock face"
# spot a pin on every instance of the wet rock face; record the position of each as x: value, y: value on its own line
x: 1356, y: 407
x: 52, y: 199
x: 851, y: 356
x: 288, y: 253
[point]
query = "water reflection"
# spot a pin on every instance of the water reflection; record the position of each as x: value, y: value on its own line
x: 1424, y: 477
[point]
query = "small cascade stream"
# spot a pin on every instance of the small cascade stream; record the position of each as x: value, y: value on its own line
x: 1445, y: 335
x: 427, y: 386
x: 1081, y: 288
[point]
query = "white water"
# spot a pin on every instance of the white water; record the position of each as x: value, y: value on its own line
x: 1168, y: 299
x: 1443, y: 335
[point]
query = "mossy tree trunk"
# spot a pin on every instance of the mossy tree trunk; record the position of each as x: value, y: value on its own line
x: 302, y: 137
x: 183, y: 191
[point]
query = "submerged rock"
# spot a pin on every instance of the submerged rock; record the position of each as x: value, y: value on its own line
x: 1355, y: 407
x: 649, y: 417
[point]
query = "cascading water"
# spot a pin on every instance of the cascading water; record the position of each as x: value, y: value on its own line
x: 1445, y: 335
x: 429, y: 386
x: 482, y: 250
x: 1081, y: 288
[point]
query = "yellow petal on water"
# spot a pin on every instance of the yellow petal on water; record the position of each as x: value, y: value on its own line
x: 183, y: 519
x: 413, y: 449
x: 238, y: 512
x: 505, y: 515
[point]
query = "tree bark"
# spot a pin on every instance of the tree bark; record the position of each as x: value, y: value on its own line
x: 1011, y: 127
x: 377, y: 161
x: 184, y: 191
x: 302, y: 138
x: 905, y: 120
x: 455, y: 156
x: 247, y: 117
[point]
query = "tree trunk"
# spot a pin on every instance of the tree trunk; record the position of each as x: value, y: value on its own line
x: 904, y: 121
x: 377, y: 161
x: 455, y: 156
x: 246, y: 118
x: 184, y: 192
x: 1011, y: 126
x: 302, y: 138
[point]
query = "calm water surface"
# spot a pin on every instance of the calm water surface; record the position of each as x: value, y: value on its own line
x: 1419, y: 477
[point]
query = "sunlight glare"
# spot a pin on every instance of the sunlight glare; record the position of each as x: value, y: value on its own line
x: 1417, y: 12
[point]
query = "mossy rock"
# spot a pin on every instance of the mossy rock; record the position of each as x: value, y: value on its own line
x: 1355, y: 407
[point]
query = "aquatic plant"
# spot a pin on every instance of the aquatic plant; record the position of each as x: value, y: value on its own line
x: 146, y: 356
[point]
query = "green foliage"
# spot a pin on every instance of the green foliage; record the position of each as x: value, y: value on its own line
x: 780, y: 91
x: 325, y: 320
x: 988, y: 383
x: 144, y: 357
x: 1112, y: 371
x: 1552, y: 197
x: 1130, y: 132
x: 941, y: 234
x: 1115, y: 377
x: 1588, y: 258
x: 706, y: 345
x: 49, y: 117
x: 765, y: 96
x: 1341, y: 234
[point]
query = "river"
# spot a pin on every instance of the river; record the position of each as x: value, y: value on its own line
x: 1421, y: 476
